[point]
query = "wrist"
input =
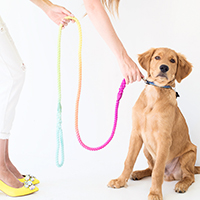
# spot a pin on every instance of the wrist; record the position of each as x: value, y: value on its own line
x: 121, y: 55
x: 45, y: 5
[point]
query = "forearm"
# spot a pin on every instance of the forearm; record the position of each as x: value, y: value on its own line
x: 43, y: 4
x: 103, y: 25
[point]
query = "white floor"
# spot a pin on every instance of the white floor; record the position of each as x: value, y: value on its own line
x: 85, y: 174
x: 95, y: 188
x: 86, y: 181
x: 91, y: 188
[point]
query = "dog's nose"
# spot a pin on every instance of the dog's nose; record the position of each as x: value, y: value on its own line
x: 164, y: 68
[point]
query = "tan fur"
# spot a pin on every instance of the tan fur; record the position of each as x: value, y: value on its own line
x: 160, y: 126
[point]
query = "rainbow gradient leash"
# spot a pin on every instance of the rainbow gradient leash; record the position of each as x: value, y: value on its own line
x: 60, y: 143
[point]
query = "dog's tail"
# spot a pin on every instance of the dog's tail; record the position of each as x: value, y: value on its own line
x: 196, y: 170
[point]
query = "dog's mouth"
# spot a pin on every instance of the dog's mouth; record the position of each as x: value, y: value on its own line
x: 162, y: 75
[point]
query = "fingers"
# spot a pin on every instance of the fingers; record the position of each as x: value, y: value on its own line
x: 65, y: 22
x: 66, y: 12
x: 68, y: 20
x: 58, y: 14
x: 135, y: 76
x: 127, y: 80
x: 131, y: 79
x: 130, y: 70
x: 141, y: 75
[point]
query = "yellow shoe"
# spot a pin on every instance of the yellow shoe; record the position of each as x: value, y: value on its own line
x: 28, y: 177
x: 28, y: 188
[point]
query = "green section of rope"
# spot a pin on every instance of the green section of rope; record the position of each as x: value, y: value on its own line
x: 59, y: 133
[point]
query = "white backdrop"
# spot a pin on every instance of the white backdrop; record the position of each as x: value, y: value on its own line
x: 142, y: 24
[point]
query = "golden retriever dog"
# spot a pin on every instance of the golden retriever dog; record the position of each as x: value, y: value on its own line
x: 159, y: 124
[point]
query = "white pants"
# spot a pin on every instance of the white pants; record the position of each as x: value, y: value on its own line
x: 12, y: 74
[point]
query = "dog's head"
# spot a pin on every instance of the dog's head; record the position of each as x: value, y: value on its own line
x: 164, y: 65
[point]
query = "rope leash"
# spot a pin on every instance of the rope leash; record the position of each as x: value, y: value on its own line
x: 60, y: 143
x: 59, y: 133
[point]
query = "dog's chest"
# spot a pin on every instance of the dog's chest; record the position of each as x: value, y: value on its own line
x: 154, y: 115
x: 150, y: 109
x: 149, y: 120
x: 151, y: 98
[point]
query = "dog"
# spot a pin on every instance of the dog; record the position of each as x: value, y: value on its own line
x: 158, y: 123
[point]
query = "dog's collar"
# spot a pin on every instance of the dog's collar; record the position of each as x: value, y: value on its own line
x: 152, y: 83
x: 166, y: 86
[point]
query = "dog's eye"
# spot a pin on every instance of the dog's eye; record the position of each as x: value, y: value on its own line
x: 157, y: 57
x: 172, y: 60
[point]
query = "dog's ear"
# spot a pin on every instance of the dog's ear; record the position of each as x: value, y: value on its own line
x: 183, y: 69
x: 145, y: 58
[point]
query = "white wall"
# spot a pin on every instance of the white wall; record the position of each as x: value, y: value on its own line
x: 142, y: 24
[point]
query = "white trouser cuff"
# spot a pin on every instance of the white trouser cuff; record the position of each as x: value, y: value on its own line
x: 4, y: 136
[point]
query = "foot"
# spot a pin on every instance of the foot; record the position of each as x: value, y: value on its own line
x: 155, y: 196
x: 117, y: 183
x: 138, y: 175
x: 19, y: 176
x: 183, y: 185
x: 8, y: 178
x: 14, y: 170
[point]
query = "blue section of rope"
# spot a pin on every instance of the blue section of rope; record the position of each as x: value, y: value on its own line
x: 60, y: 143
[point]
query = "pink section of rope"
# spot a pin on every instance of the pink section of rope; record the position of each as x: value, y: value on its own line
x: 121, y: 89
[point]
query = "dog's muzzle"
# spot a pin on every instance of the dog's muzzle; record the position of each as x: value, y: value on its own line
x: 164, y: 68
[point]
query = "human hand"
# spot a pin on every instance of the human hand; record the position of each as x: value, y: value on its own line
x: 57, y: 14
x: 130, y: 70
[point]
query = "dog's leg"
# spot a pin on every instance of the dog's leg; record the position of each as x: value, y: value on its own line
x: 134, y: 149
x: 163, y: 148
x: 138, y: 175
x: 187, y: 162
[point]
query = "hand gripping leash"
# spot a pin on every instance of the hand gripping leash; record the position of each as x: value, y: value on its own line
x: 60, y: 144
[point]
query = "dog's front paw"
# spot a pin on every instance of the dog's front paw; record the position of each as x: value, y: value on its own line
x: 137, y: 175
x: 117, y: 183
x: 181, y: 187
x: 155, y: 197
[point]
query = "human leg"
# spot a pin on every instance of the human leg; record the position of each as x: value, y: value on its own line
x: 12, y: 75
x: 9, y: 164
x: 5, y: 174
x: 11, y: 81
x: 9, y: 184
